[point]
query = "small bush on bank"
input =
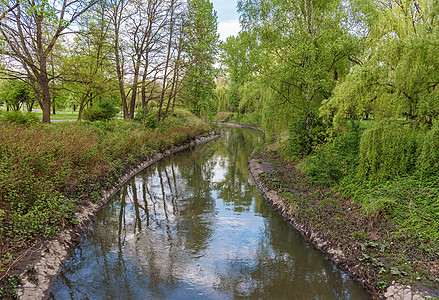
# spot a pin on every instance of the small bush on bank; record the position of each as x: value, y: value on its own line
x: 147, y: 117
x: 428, y: 163
x: 335, y: 160
x: 102, y: 111
x: 301, y: 141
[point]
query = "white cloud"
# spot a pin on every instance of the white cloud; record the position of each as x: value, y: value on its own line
x: 228, y: 28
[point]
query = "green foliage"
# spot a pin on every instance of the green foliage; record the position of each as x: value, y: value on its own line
x: 396, y: 76
x: 303, y: 52
x: 224, y: 116
x: 47, y: 170
x: 335, y: 159
x: 410, y: 202
x: 102, y: 111
x: 428, y: 164
x: 147, y: 117
x: 305, y: 137
x: 18, y: 117
x: 221, y: 104
x: 200, y: 49
x: 388, y: 151
x: 233, y: 98
x: 16, y: 93
x: 252, y: 119
x: 323, y: 168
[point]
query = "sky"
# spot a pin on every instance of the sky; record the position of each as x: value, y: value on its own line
x: 228, y: 19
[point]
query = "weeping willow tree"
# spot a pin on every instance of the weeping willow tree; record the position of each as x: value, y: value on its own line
x: 399, y: 71
x: 304, y: 47
x: 221, y: 94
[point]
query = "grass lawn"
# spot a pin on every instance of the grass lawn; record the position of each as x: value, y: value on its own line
x: 60, y: 115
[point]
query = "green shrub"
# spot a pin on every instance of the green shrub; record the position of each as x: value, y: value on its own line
x: 302, y: 141
x: 18, y: 117
x: 334, y: 160
x: 388, y: 151
x: 148, y: 118
x: 102, y: 111
x: 428, y: 164
x: 323, y: 168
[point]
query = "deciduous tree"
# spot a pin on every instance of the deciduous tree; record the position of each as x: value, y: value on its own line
x: 30, y: 31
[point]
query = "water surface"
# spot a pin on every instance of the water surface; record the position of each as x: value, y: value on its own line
x: 194, y: 226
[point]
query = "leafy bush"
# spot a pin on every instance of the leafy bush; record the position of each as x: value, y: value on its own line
x: 302, y: 141
x: 323, y: 168
x: 335, y: 160
x: 428, y: 164
x: 148, y: 117
x: 18, y: 117
x: 102, y: 111
x: 388, y: 151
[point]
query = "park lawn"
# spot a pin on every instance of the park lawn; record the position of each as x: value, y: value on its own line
x: 60, y: 115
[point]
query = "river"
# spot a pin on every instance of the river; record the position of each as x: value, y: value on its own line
x: 194, y: 226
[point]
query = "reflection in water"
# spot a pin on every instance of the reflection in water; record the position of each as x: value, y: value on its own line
x: 194, y: 226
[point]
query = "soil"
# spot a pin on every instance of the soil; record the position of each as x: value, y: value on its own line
x: 48, y: 257
x: 363, y: 246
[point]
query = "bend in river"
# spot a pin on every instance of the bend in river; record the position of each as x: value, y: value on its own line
x: 194, y: 226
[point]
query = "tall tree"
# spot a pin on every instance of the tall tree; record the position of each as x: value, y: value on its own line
x: 86, y: 70
x: 201, y: 48
x: 240, y: 55
x: 31, y: 31
x: 305, y: 51
x: 398, y: 76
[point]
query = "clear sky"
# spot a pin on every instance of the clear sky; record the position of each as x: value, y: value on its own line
x: 228, y: 19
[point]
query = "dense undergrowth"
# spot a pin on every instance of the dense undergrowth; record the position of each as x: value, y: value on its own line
x: 381, y: 244
x: 391, y: 170
x: 374, y: 187
x: 46, y: 171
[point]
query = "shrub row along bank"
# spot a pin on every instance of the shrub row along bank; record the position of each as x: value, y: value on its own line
x: 47, y: 170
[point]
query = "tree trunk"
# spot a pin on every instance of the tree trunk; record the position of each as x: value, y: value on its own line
x: 134, y: 90
x: 45, y: 91
x: 165, y: 75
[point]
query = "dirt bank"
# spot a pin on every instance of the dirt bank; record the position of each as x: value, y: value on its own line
x: 346, y: 253
x: 49, y: 258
